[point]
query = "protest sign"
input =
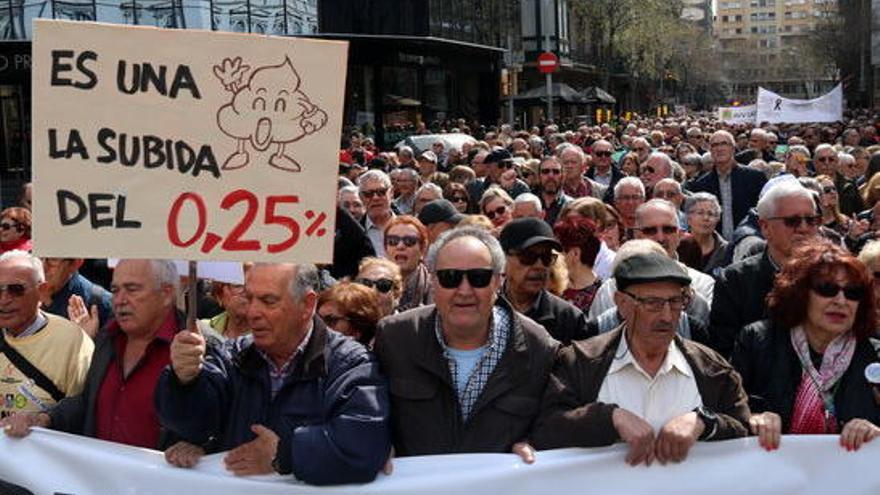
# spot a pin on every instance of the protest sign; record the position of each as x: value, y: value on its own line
x: 183, y: 144
x: 738, y: 115
x: 775, y: 109
x: 48, y: 462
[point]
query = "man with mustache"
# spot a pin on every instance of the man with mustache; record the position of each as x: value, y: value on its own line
x: 531, y: 251
x: 641, y: 383
x: 552, y: 196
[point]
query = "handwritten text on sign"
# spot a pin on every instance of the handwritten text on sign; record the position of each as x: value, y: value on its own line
x: 184, y: 144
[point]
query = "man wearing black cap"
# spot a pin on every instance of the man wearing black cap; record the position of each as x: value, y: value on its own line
x: 438, y: 216
x: 640, y: 383
x: 531, y: 250
x: 500, y: 171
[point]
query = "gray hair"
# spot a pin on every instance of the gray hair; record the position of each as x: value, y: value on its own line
x: 405, y: 150
x: 870, y: 254
x: 785, y: 190
x: 706, y: 159
x: 798, y: 148
x: 345, y: 190
x: 845, y: 159
x: 411, y: 172
x: 529, y: 198
x: 693, y: 159
x: 630, y: 182
x: 656, y: 203
x: 823, y: 147
x: 663, y: 157
x: 488, y: 240
x: 36, y: 266
x: 374, y: 175
x: 165, y: 273
x: 702, y: 197
x: 566, y: 146
x: 430, y: 186
x: 307, y: 278
x: 727, y: 136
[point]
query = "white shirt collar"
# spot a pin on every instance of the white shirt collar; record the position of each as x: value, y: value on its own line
x: 674, y: 360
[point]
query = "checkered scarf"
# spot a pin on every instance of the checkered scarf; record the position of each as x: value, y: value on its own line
x: 500, y: 323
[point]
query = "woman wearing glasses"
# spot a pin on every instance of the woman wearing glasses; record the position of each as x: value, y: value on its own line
x: 15, y: 229
x: 457, y: 194
x: 703, y: 213
x: 497, y: 205
x: 383, y: 275
x: 832, y: 218
x: 406, y: 241
x: 805, y: 368
x: 351, y: 309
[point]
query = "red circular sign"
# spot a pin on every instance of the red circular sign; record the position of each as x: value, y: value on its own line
x: 548, y: 62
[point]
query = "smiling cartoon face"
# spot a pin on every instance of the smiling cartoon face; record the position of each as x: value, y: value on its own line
x: 271, y: 109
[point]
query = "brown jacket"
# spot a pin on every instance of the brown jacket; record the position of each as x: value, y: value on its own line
x: 425, y: 415
x: 571, y: 417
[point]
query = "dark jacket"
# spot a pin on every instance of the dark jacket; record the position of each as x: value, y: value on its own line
x: 350, y: 245
x: 78, y: 414
x: 91, y: 293
x: 616, y: 175
x: 426, y: 417
x: 331, y: 413
x: 562, y: 320
x: 745, y: 184
x: 740, y: 291
x: 571, y: 417
x: 771, y: 373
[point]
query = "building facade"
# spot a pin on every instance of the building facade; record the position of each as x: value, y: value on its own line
x: 767, y: 43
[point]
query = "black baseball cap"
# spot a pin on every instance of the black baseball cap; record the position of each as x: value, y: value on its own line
x: 525, y: 232
x: 439, y: 210
x: 498, y: 155
x: 649, y: 267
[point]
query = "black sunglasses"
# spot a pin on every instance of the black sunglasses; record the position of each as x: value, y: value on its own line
x: 602, y: 153
x: 829, y: 290
x: 407, y: 240
x: 478, y: 278
x: 551, y: 171
x: 459, y: 199
x: 374, y: 192
x: 332, y: 320
x: 829, y: 189
x: 667, y: 229
x: 649, y: 170
x: 529, y: 258
x: 14, y: 290
x: 796, y: 221
x: 501, y: 210
x: 17, y: 226
x: 383, y: 285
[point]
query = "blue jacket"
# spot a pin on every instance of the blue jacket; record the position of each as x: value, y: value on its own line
x: 331, y: 414
x: 92, y: 294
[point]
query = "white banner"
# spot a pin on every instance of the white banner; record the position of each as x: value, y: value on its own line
x: 738, y: 115
x: 775, y: 109
x: 48, y: 463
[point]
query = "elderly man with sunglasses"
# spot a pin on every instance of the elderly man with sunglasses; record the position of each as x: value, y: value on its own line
x: 43, y: 357
x: 641, y: 383
x: 788, y: 217
x: 467, y: 373
x: 531, y: 251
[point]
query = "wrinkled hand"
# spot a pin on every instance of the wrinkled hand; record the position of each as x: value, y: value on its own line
x: 768, y: 427
x: 637, y: 433
x: 677, y: 437
x: 858, y: 432
x: 231, y: 72
x: 525, y: 452
x: 507, y: 179
x: 19, y: 425
x: 254, y: 457
x: 184, y: 454
x: 187, y: 355
x: 87, y: 319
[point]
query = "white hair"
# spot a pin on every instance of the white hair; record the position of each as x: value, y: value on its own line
x: 529, y: 198
x: 346, y: 190
x: 783, y: 191
x: 430, y: 186
x: 374, y: 175
x: 165, y: 273
x: 629, y: 182
x: 33, y: 262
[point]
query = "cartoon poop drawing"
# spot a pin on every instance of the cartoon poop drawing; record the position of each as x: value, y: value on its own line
x: 269, y: 109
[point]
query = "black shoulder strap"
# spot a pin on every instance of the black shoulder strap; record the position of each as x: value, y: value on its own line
x: 30, y: 370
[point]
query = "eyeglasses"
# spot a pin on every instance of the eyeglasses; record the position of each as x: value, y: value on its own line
x: 332, y: 320
x: 829, y: 190
x: 477, y: 278
x: 629, y: 197
x: 719, y: 144
x: 655, y: 304
x: 236, y: 289
x: 501, y: 210
x: 383, y: 285
x: 529, y: 258
x: 375, y: 192
x: 640, y: 149
x: 666, y: 194
x: 7, y: 226
x: 705, y: 213
x: 505, y: 164
x: 605, y: 154
x: 794, y: 222
x: 550, y: 171
x: 407, y: 240
x: 826, y: 158
x: 829, y: 290
x: 649, y: 170
x: 14, y: 290
x: 652, y: 230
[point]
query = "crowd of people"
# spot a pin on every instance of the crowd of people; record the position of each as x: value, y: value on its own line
x: 656, y: 283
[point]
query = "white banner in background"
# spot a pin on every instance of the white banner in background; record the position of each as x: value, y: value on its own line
x: 775, y: 109
x: 738, y: 115
x: 49, y: 462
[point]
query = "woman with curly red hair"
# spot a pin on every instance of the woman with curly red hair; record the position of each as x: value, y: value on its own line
x: 804, y: 368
